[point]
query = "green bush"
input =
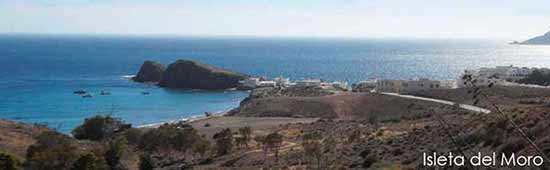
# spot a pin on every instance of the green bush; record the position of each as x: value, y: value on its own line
x: 146, y: 163
x: 224, y: 141
x: 52, y: 150
x: 99, y: 128
x: 169, y: 137
x: 90, y: 161
x: 115, y: 151
x: 9, y: 161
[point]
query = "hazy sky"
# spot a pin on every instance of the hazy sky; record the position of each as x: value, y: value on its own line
x: 502, y: 19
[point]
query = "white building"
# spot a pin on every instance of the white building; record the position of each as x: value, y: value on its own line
x: 340, y: 85
x: 364, y: 86
x: 255, y: 82
x: 282, y: 82
x: 308, y: 83
x: 497, y: 76
x: 266, y: 84
x: 250, y: 82
x: 448, y: 84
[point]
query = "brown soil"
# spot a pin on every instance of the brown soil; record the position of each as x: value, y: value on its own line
x: 342, y: 106
x: 15, y: 137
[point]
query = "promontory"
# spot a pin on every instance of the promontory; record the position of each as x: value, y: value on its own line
x: 189, y: 74
x: 540, y: 40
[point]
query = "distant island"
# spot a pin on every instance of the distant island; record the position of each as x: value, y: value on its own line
x: 539, y: 40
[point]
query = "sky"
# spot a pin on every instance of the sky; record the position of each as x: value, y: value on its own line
x: 494, y: 19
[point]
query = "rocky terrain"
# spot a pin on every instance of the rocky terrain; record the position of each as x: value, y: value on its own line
x: 189, y: 74
x: 359, y: 131
x: 150, y: 71
x: 196, y: 75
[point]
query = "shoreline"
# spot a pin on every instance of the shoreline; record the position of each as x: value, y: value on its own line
x: 187, y: 120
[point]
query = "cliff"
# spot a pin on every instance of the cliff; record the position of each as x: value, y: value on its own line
x: 196, y: 75
x: 540, y: 40
x: 150, y: 71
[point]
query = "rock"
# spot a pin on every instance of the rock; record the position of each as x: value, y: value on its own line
x: 195, y: 75
x: 150, y: 71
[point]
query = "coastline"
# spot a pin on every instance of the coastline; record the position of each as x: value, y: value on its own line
x: 188, y: 120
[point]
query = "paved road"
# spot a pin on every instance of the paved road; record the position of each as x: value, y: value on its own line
x: 463, y: 106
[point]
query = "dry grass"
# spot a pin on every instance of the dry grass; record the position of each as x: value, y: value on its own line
x: 15, y: 137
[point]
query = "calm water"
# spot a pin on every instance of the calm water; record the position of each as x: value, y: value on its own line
x: 39, y: 73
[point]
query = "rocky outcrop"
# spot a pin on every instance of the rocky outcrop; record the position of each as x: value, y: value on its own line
x: 195, y: 75
x: 540, y: 40
x: 150, y: 71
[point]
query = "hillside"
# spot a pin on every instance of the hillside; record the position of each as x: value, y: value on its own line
x: 341, y: 106
x: 15, y: 137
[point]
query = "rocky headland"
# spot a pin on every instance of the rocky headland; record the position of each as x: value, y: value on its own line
x: 539, y: 40
x: 189, y: 74
x: 150, y: 71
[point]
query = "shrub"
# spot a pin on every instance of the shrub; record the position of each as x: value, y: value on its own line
x: 224, y: 141
x: 245, y: 136
x: 99, y: 127
x: 90, y: 161
x: 201, y: 147
x: 133, y: 135
x: 537, y: 77
x: 145, y: 162
x: 116, y: 149
x: 274, y: 141
x: 169, y: 137
x: 9, y: 161
x: 52, y: 150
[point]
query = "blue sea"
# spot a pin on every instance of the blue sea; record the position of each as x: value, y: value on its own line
x: 38, y: 73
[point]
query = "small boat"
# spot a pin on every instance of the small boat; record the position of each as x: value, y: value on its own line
x: 87, y: 96
x: 105, y: 92
x: 80, y: 91
x: 145, y: 93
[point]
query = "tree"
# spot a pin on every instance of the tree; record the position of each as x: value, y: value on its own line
x: 116, y: 150
x: 201, y: 147
x: 169, y: 137
x: 99, y: 127
x: 9, y: 161
x: 313, y: 149
x: 52, y: 150
x: 89, y: 161
x: 246, y: 135
x: 274, y: 142
x: 271, y: 142
x: 262, y: 143
x: 329, y: 150
x: 224, y: 141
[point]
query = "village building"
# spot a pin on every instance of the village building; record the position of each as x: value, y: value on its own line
x: 364, y: 86
x: 282, y: 82
x: 308, y: 83
x: 409, y: 86
x: 497, y: 76
x: 251, y: 82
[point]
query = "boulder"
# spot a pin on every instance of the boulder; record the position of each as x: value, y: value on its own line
x: 150, y: 71
x: 195, y: 75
